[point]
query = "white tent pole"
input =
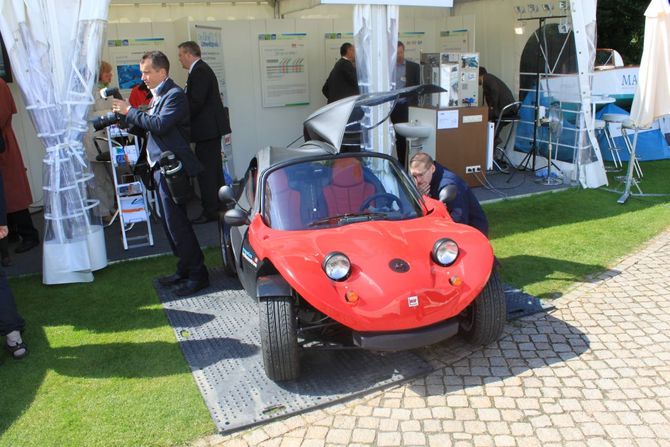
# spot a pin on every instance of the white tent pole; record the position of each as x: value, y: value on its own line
x: 591, y: 174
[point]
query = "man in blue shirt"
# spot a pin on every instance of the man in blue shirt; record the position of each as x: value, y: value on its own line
x: 430, y: 177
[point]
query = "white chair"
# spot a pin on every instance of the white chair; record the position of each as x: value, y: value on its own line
x: 601, y: 126
x: 626, y: 125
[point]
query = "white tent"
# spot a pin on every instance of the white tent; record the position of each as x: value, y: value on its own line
x: 652, y: 97
x: 54, y: 48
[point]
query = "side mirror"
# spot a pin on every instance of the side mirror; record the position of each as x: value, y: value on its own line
x: 448, y: 194
x: 227, y: 195
x: 236, y: 217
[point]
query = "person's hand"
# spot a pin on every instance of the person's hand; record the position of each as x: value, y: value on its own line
x: 120, y: 106
x: 3, y: 231
x: 425, y: 189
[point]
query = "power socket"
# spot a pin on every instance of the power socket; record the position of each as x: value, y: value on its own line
x: 473, y: 169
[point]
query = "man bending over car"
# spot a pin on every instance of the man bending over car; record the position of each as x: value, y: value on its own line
x: 430, y: 177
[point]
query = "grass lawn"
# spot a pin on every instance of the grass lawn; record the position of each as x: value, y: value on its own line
x: 105, y: 368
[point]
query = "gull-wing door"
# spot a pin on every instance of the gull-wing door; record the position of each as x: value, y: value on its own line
x: 347, y: 116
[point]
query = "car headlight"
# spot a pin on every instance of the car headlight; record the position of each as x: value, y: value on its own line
x: 337, y: 266
x: 445, y: 252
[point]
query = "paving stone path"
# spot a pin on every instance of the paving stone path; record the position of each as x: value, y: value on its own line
x: 594, y: 372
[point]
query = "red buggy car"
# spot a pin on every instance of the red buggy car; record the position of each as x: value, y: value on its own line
x: 340, y: 249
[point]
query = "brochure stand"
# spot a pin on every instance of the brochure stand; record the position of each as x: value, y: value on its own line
x: 131, y: 195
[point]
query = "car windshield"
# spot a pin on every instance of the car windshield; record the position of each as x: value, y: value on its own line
x: 337, y: 191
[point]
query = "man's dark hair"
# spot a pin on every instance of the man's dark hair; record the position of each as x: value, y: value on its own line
x: 158, y: 60
x: 191, y: 48
x: 400, y: 44
x: 345, y: 48
x: 482, y: 71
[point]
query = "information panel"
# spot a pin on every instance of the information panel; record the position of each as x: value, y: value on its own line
x: 125, y: 55
x: 284, y: 79
x: 333, y: 42
x: 455, y: 41
x: 209, y: 38
x: 414, y: 42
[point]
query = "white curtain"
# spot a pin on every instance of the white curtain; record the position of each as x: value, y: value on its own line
x: 54, y: 49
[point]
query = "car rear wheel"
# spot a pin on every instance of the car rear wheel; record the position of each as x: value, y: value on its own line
x: 279, y: 340
x: 484, y: 320
x: 227, y: 259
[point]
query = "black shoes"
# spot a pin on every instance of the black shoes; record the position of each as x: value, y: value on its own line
x: 26, y: 244
x: 203, y: 219
x: 170, y: 280
x: 191, y: 287
x: 187, y: 286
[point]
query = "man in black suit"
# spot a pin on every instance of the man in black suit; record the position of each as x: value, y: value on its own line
x: 342, y: 80
x: 167, y: 124
x: 407, y: 74
x: 209, y: 121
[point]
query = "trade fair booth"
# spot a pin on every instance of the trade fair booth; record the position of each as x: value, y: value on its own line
x: 271, y: 59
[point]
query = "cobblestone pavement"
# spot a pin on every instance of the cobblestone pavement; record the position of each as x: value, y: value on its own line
x: 593, y: 372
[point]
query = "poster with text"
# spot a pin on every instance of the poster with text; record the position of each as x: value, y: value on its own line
x: 125, y: 55
x: 333, y: 42
x: 455, y: 41
x: 284, y: 79
x: 210, y: 40
x: 414, y: 42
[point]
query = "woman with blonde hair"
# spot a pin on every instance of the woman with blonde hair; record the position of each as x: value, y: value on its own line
x: 104, y: 75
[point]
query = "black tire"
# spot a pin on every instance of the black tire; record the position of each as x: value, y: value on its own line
x: 227, y: 258
x: 484, y: 320
x: 279, y: 339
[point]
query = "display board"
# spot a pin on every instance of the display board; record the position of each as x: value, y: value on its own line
x: 332, y: 44
x: 455, y: 41
x: 209, y: 38
x: 414, y: 43
x: 125, y: 55
x: 284, y: 79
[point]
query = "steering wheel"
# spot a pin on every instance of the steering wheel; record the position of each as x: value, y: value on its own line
x: 385, y: 196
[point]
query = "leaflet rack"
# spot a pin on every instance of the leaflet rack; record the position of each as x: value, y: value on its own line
x: 131, y: 195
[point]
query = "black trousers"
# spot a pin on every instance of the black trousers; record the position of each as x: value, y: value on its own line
x: 211, y: 179
x: 180, y: 234
x: 21, y: 222
x: 10, y: 320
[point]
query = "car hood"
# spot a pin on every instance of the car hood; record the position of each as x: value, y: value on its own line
x: 374, y: 249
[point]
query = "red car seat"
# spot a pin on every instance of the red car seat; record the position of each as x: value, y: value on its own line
x: 347, y: 189
x: 282, y: 204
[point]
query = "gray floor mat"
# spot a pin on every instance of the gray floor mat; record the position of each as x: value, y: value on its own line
x: 218, y: 333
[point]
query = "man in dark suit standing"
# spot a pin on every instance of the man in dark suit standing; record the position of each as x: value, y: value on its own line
x: 209, y: 122
x: 342, y: 80
x: 167, y: 124
x: 407, y: 74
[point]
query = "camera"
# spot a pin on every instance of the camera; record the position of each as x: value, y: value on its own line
x: 100, y: 122
x: 178, y: 181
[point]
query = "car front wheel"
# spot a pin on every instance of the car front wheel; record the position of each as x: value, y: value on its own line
x: 279, y: 340
x: 484, y: 320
